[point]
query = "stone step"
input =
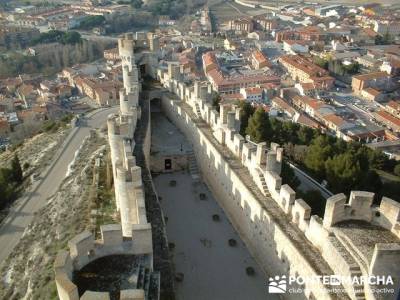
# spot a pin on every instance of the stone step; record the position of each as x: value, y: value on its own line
x: 354, y: 267
x: 360, y: 295
x: 353, y: 252
x: 193, y: 168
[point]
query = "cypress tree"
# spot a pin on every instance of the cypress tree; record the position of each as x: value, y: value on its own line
x: 16, y: 170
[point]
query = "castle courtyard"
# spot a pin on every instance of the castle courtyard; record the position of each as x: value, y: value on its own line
x: 199, y: 232
x: 212, y: 268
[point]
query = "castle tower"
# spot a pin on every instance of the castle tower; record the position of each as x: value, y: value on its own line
x: 154, y: 41
x: 126, y: 47
x: 121, y: 129
x: 129, y: 95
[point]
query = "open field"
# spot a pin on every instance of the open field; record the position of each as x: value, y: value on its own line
x: 225, y: 10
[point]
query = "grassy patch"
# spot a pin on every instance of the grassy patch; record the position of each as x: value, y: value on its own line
x: 104, y: 202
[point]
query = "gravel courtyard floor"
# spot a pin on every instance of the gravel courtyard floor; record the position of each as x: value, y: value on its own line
x: 212, y: 269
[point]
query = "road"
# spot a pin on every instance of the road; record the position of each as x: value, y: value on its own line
x: 307, y: 183
x: 22, y: 214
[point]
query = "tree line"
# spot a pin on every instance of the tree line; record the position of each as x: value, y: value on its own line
x: 91, y: 21
x: 336, y: 67
x: 52, y: 58
x: 57, y: 36
x: 173, y: 8
x: 130, y: 22
x: 344, y: 165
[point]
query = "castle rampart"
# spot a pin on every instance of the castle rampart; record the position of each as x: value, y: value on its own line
x: 354, y: 239
x: 134, y: 235
x: 278, y: 228
x: 84, y: 249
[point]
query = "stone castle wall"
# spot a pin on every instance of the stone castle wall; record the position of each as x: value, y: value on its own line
x: 279, y: 229
x: 134, y: 234
x: 84, y: 249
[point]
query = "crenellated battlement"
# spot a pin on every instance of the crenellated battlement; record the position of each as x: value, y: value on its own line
x: 334, y: 235
x: 83, y: 249
x: 126, y: 46
x: 268, y: 162
x: 359, y: 207
x: 134, y: 235
x: 128, y: 183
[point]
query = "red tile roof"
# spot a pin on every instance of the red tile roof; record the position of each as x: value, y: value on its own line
x: 334, y: 119
x: 388, y: 117
x: 254, y: 90
x: 260, y: 57
x: 209, y: 58
x: 394, y: 104
x: 303, y: 64
x: 372, y: 91
x: 284, y: 105
x: 370, y: 76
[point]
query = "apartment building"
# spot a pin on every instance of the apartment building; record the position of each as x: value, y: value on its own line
x: 241, y: 24
x: 371, y: 94
x: 388, y: 119
x: 253, y: 94
x: 102, y: 92
x: 374, y: 80
x: 307, y: 89
x: 303, y: 70
x: 336, y: 123
x: 226, y: 84
x: 232, y: 84
x: 282, y: 105
x: 266, y: 23
x: 306, y: 33
x: 386, y: 26
x: 209, y: 62
x: 313, y: 107
x: 295, y: 46
x: 259, y: 60
x: 393, y: 107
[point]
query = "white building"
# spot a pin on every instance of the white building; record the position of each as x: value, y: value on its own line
x: 254, y: 94
x: 383, y: 27
x: 295, y: 47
